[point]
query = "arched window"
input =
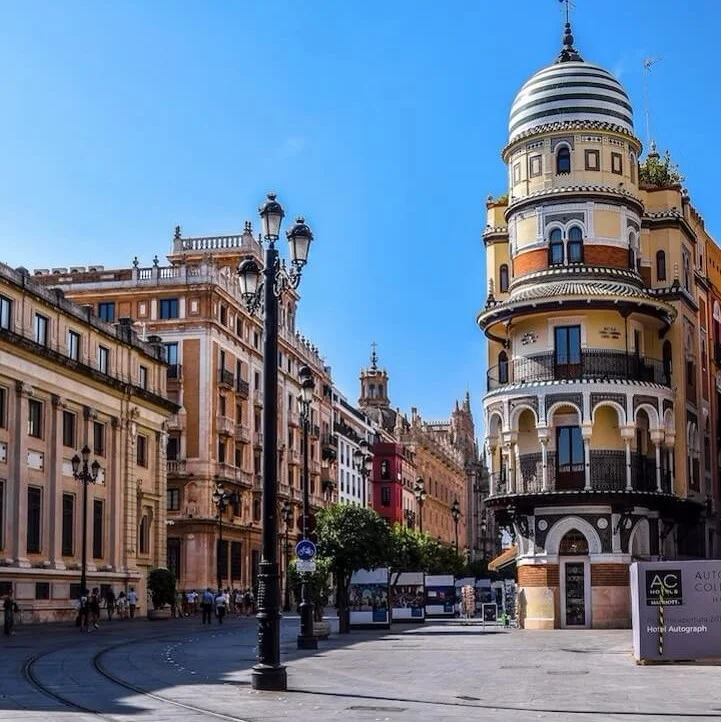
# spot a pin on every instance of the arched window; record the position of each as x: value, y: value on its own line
x: 660, y: 266
x: 573, y: 542
x: 144, y: 542
x: 667, y: 361
x: 575, y: 245
x: 503, y: 368
x: 503, y: 278
x: 555, y: 250
x: 563, y: 160
x: 632, y: 252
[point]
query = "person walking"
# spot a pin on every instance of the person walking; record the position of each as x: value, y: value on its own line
x: 94, y: 607
x: 10, y: 609
x: 132, y: 601
x: 207, y: 606
x: 121, y: 605
x: 221, y: 603
x: 84, y: 611
x: 110, y: 603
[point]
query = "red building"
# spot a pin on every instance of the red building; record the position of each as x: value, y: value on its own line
x: 394, y: 472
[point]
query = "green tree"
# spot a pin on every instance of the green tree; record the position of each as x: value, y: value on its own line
x: 161, y: 585
x: 440, y: 558
x: 405, y: 553
x: 320, y: 586
x: 659, y: 172
x: 353, y: 538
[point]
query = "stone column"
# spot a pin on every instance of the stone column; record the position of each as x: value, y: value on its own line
x: 543, y: 438
x: 161, y: 529
x: 17, y: 494
x: 54, y: 515
x: 492, y: 455
x: 669, y: 441
x: 113, y: 496
x: 627, y: 434
x: 656, y: 439
x: 586, y: 431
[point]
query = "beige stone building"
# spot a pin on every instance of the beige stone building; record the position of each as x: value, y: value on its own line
x: 68, y: 379
x: 214, y: 350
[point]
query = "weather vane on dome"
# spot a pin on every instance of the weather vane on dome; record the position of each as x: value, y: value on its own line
x: 568, y: 52
x: 569, y: 4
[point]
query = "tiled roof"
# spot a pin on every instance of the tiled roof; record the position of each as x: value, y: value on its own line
x: 614, y: 190
x: 578, y: 288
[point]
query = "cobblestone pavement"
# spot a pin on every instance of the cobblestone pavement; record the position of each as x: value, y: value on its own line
x: 180, y: 670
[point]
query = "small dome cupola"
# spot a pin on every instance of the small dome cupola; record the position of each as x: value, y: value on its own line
x: 570, y: 90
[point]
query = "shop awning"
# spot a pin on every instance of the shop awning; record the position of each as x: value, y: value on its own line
x: 504, y: 559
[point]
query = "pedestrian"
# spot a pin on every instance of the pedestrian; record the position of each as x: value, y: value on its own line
x: 132, y: 601
x: 110, y: 603
x: 207, y: 605
x: 121, y: 605
x: 220, y: 606
x: 237, y: 601
x: 10, y: 609
x: 248, y: 602
x: 94, y: 607
x: 84, y: 611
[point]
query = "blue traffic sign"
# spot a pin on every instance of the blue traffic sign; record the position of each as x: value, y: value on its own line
x: 305, y: 549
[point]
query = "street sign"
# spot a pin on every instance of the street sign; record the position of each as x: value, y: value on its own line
x: 305, y: 549
x: 305, y: 565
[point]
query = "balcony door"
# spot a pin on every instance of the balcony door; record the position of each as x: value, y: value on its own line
x: 570, y: 461
x: 567, y: 352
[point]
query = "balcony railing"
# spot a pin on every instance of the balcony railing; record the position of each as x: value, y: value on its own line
x: 225, y: 425
x: 314, y: 431
x: 176, y: 422
x: 242, y: 388
x: 175, y: 371
x: 176, y: 466
x: 293, y: 418
x: 329, y: 440
x: 226, y: 378
x: 588, y: 365
x: 293, y: 456
x: 608, y: 473
x: 242, y: 433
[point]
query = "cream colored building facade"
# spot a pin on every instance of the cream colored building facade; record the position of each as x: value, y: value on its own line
x: 68, y: 379
x: 597, y: 392
x: 214, y: 349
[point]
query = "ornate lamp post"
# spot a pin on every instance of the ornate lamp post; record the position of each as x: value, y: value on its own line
x: 85, y: 475
x: 456, y: 514
x: 306, y: 638
x: 222, y: 499
x: 363, y: 461
x: 419, y: 490
x: 264, y: 287
x: 286, y: 512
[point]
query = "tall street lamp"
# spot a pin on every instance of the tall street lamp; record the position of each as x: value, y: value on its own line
x: 363, y: 460
x: 85, y: 475
x: 306, y: 638
x: 456, y: 514
x: 419, y: 491
x: 264, y: 287
x: 222, y: 498
x: 286, y: 512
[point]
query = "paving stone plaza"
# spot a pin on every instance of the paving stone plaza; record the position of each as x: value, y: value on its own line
x: 181, y: 670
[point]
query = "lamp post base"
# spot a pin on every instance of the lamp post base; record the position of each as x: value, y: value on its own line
x: 307, y: 641
x: 269, y: 678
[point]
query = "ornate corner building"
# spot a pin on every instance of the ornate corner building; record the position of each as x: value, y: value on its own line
x: 599, y: 402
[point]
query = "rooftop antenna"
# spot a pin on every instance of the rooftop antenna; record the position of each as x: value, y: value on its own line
x: 648, y: 64
x: 569, y: 5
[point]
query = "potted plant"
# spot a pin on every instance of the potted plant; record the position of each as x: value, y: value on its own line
x: 161, y: 588
x: 320, y: 588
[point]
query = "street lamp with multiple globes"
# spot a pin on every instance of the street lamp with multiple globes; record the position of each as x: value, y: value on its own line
x: 286, y: 513
x: 306, y: 638
x: 222, y: 498
x: 261, y: 288
x: 419, y: 491
x: 85, y: 475
x: 456, y: 514
x: 363, y: 461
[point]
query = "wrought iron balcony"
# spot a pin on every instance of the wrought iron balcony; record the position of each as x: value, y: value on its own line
x: 329, y: 440
x: 226, y: 378
x: 608, y: 473
x: 242, y: 388
x: 592, y: 364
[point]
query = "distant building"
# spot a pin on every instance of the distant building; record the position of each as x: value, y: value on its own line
x: 214, y: 349
x: 69, y: 379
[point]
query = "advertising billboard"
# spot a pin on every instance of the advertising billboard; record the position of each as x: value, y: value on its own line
x: 440, y: 595
x: 676, y: 610
x: 407, y: 597
x: 368, y: 599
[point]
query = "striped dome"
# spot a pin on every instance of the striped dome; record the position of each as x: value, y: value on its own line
x: 570, y: 90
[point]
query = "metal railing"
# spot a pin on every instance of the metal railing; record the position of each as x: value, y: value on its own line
x: 176, y: 466
x: 588, y: 365
x: 242, y: 388
x: 608, y: 473
x: 329, y: 440
x: 226, y: 378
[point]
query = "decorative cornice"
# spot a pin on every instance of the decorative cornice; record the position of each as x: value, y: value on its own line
x: 519, y: 202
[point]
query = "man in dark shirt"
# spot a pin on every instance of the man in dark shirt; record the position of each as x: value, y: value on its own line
x: 9, y: 610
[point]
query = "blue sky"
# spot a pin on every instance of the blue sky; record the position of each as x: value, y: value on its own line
x: 380, y: 122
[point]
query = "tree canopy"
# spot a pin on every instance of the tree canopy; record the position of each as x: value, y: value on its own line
x: 659, y: 172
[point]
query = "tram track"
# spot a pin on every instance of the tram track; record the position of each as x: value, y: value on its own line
x: 29, y: 674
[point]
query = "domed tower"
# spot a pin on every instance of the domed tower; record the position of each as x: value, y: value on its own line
x: 579, y: 405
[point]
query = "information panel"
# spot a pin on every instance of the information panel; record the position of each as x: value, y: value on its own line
x: 676, y: 610
x: 407, y: 597
x: 368, y: 599
x: 440, y: 595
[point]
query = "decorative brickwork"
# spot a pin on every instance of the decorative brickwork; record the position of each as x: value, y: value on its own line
x: 530, y: 261
x: 609, y: 575
x: 605, y: 256
x: 539, y: 576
